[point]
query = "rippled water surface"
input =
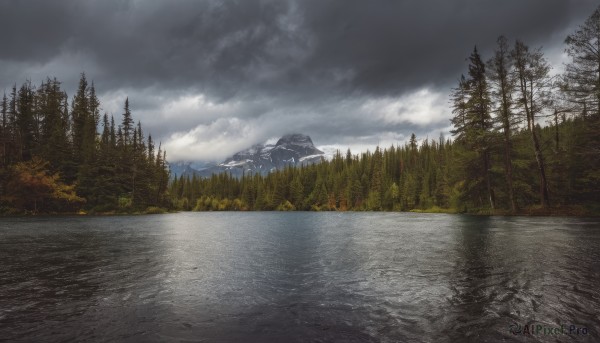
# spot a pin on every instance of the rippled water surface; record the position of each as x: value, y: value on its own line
x: 299, y: 277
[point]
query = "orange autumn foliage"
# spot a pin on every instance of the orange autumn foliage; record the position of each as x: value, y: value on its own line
x: 32, y: 187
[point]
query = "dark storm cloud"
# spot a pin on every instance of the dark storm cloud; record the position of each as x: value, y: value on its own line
x: 405, y: 44
x: 307, y: 64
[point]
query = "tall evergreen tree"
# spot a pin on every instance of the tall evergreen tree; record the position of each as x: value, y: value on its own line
x: 80, y: 114
x: 376, y: 186
x: 127, y: 124
x: 583, y: 72
x: 531, y: 71
x: 471, y: 108
x: 503, y: 86
x: 459, y: 99
x: 582, y: 88
x: 4, y: 132
x: 25, y: 120
x: 479, y: 117
x: 51, y: 102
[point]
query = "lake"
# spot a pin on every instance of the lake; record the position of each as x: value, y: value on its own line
x: 299, y: 277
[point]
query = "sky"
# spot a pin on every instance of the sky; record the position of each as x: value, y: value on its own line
x: 210, y: 78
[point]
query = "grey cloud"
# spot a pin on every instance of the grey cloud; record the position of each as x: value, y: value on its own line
x: 283, y: 64
x: 239, y: 48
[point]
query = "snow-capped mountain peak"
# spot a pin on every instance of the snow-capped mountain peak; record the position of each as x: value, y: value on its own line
x: 292, y: 149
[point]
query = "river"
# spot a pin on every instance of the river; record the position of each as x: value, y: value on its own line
x: 299, y: 277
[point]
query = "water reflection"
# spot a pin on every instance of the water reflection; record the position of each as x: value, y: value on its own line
x: 469, y: 281
x: 272, y: 277
x: 520, y: 272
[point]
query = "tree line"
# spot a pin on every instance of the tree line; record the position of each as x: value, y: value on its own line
x: 523, y: 141
x: 54, y: 159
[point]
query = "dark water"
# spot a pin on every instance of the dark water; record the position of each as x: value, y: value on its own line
x: 304, y: 277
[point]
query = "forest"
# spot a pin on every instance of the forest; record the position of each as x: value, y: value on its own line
x: 54, y: 160
x: 524, y: 142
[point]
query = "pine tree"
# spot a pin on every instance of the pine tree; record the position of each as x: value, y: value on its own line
x: 472, y: 120
x: 127, y: 124
x: 459, y: 98
x: 531, y: 71
x: 297, y: 192
x: 479, y: 117
x: 80, y: 114
x: 503, y: 87
x: 582, y: 87
x: 4, y: 132
x: 583, y: 73
x: 376, y: 186
x: 26, y: 126
x: 51, y: 102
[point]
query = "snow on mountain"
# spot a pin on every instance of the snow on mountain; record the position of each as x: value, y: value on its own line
x: 330, y: 150
x: 294, y: 149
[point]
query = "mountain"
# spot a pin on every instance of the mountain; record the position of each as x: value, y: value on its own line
x: 186, y: 168
x: 294, y: 149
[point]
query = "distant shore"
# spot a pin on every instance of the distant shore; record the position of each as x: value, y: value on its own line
x: 573, y: 211
x: 561, y: 211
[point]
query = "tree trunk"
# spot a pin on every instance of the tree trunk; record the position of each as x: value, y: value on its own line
x: 529, y: 112
x: 486, y: 166
x: 507, y: 152
x: 544, y: 197
x: 556, y: 133
x: 508, y: 169
x: 598, y: 82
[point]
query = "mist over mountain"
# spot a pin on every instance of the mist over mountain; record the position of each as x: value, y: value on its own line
x: 290, y: 150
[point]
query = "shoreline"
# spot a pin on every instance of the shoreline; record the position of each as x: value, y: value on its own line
x: 532, y: 212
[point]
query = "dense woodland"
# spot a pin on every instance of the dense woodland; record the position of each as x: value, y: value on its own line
x: 53, y: 159
x: 523, y: 142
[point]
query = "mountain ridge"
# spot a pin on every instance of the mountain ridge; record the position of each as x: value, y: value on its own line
x: 290, y: 150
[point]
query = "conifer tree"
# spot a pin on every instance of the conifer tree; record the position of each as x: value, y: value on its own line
x: 80, y: 114
x: 582, y: 88
x: 503, y: 86
x: 472, y: 120
x: 375, y: 189
x: 583, y: 72
x: 127, y: 124
x: 4, y: 132
x: 531, y: 71
x: 26, y: 126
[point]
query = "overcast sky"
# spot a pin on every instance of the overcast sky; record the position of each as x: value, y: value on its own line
x: 209, y: 78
